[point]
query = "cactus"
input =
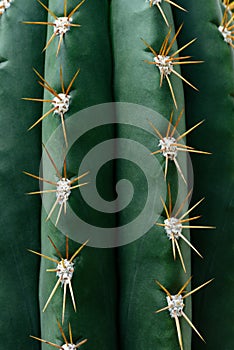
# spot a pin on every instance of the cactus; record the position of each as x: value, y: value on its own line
x: 83, y: 54
x: 150, y: 256
x: 75, y: 52
x: 214, y: 174
x: 19, y: 214
x: 176, y: 304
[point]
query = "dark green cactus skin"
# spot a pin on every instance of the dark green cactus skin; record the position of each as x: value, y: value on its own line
x: 95, y: 318
x: 93, y: 283
x: 129, y: 322
x: 20, y: 224
x: 213, y: 308
x: 150, y: 257
x: 132, y: 21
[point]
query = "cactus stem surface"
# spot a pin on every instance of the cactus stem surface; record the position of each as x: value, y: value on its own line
x: 64, y: 271
x: 175, y: 306
x: 165, y: 62
x: 174, y: 225
x: 67, y: 345
x: 169, y: 145
x: 158, y: 2
x: 63, y: 187
x: 60, y: 101
x: 61, y: 24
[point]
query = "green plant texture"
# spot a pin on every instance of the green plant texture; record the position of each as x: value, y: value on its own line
x: 163, y: 69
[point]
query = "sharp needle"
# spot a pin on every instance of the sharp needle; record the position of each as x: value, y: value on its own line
x: 72, y: 296
x: 64, y: 300
x: 52, y: 294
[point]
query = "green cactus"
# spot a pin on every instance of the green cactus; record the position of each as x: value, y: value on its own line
x: 87, y: 53
x: 150, y: 257
x: 19, y: 214
x: 213, y: 175
x: 94, y: 265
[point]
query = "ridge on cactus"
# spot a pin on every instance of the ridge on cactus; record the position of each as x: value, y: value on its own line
x: 63, y: 187
x: 166, y: 61
x: 69, y: 345
x: 64, y: 271
x: 174, y: 226
x: 170, y: 146
x: 61, y: 24
x: 175, y: 306
x: 135, y: 83
x: 60, y: 102
x: 212, y: 177
x: 158, y: 2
